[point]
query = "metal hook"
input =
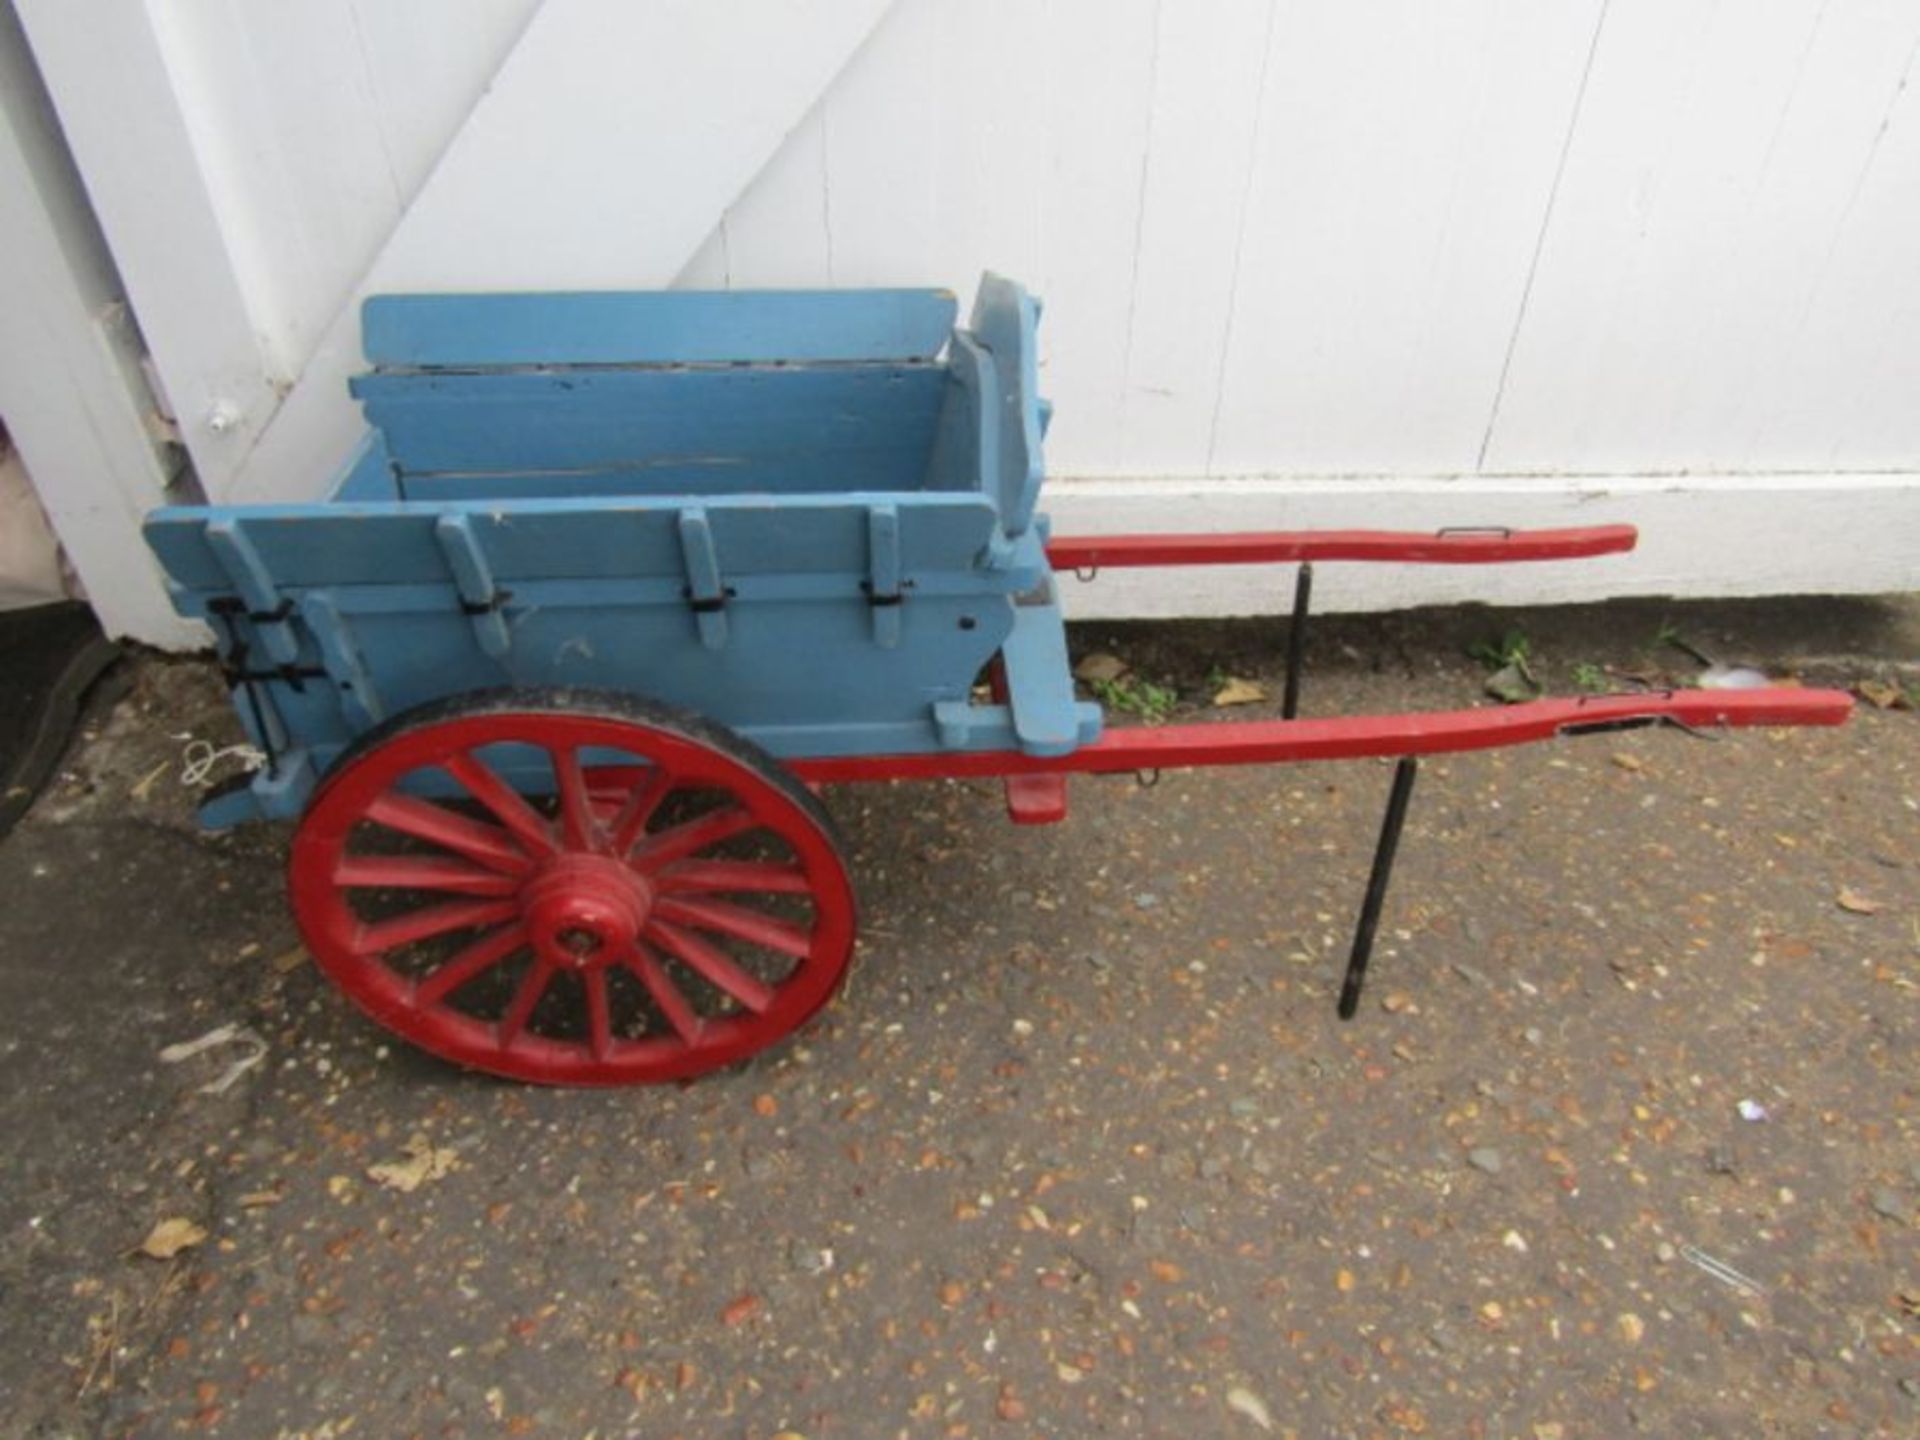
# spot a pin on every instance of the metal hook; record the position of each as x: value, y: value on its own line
x: 1146, y: 779
x: 1086, y: 574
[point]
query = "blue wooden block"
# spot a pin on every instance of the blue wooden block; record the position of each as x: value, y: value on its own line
x: 1006, y: 320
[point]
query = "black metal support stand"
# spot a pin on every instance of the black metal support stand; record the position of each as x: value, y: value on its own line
x: 1383, y: 853
x: 1297, y: 640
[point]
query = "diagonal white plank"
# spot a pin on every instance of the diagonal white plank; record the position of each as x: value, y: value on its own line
x: 606, y: 149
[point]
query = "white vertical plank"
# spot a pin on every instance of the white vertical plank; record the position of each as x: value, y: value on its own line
x: 106, y: 68
x: 1406, y: 156
x: 882, y: 119
x: 1095, y: 120
x: 601, y: 157
x: 1209, y: 73
x: 936, y: 148
x: 427, y: 63
x: 70, y: 401
x: 777, y: 236
x: 1729, y: 281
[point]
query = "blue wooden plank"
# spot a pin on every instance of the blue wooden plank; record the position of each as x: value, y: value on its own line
x: 884, y: 581
x: 966, y: 443
x: 368, y: 475
x: 706, y: 591
x: 395, y: 544
x: 666, y: 327
x: 846, y: 427
x: 480, y: 597
x: 682, y: 480
x: 1006, y: 321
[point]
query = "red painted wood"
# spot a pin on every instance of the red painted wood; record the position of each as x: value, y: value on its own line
x: 548, y: 908
x: 1273, y: 742
x: 1036, y: 799
x: 1466, y: 547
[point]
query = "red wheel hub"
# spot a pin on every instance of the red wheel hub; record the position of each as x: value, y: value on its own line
x: 585, y: 910
x: 668, y: 902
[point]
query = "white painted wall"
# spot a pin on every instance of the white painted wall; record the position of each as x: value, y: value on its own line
x: 1305, y: 261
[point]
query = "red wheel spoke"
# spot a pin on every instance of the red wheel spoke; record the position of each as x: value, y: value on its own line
x: 711, y: 963
x: 420, y: 872
x: 748, y: 925
x: 483, y: 954
x: 641, y: 802
x: 528, y: 825
x: 599, y: 1013
x: 680, y: 1015
x: 684, y: 840
x: 577, y: 825
x: 524, y: 999
x: 487, y: 844
x: 697, y: 876
x: 381, y: 936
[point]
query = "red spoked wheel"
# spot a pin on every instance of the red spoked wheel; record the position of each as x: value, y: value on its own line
x: 572, y: 888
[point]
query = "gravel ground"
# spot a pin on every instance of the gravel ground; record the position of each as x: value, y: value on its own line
x: 1081, y: 1149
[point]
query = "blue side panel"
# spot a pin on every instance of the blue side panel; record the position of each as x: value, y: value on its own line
x: 774, y: 429
x: 1006, y: 320
x: 940, y: 538
x: 966, y: 442
x: 665, y: 327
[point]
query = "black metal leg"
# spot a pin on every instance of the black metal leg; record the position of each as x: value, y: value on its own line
x: 1383, y: 853
x: 1297, y: 640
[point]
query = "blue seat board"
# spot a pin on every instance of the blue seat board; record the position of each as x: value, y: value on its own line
x: 368, y: 474
x: 666, y: 327
x: 767, y: 428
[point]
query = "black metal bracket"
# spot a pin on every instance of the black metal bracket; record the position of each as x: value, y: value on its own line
x: 1297, y: 640
x: 233, y: 665
x: 1383, y: 854
x: 707, y: 604
x: 495, y: 601
x: 228, y: 606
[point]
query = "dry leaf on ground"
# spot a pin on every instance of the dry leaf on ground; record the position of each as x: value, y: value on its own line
x: 1235, y: 691
x: 422, y: 1162
x: 1881, y: 694
x: 1243, y: 1401
x: 1853, y: 901
x: 1100, y: 667
x: 168, y: 1238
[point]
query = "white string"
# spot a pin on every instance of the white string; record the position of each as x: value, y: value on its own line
x: 199, y: 758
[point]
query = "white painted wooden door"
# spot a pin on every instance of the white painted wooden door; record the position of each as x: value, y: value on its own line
x: 1306, y: 262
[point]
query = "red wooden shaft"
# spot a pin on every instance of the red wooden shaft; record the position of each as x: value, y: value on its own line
x: 1272, y: 742
x: 1467, y: 547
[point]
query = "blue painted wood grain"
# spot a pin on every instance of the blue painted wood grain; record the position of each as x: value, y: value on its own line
x: 761, y: 428
x: 665, y: 327
x: 582, y: 539
x: 1006, y: 320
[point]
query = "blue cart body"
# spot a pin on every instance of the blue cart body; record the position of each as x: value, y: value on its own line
x: 809, y: 516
